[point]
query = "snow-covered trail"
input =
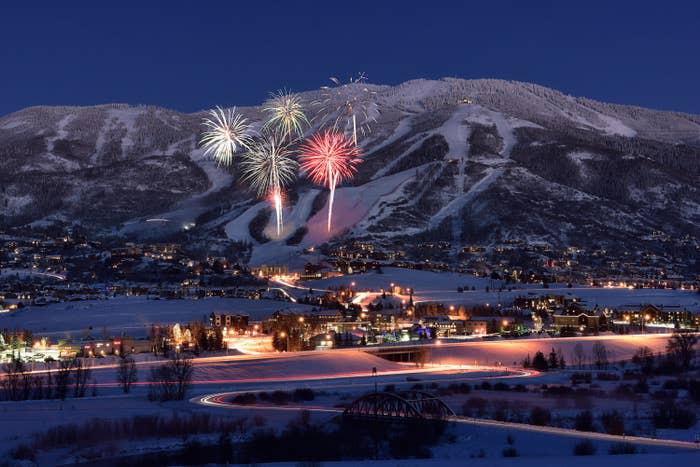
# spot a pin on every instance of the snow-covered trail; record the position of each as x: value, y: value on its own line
x: 353, y: 204
x: 401, y: 130
x: 61, y: 132
x: 293, y: 216
x: 415, y: 145
x: 455, y: 206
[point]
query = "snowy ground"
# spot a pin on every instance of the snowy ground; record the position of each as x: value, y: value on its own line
x: 442, y: 287
x: 419, y: 280
x: 510, y: 352
x: 556, y: 460
x: 341, y: 376
x: 30, y: 274
x: 131, y: 315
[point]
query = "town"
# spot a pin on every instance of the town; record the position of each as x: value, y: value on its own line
x: 43, y: 270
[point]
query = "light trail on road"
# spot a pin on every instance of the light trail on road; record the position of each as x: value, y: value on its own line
x: 220, y: 400
x: 441, y: 344
x: 281, y: 281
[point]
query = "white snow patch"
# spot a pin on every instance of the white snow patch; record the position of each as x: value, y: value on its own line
x: 13, y: 124
x: 17, y: 203
x: 237, y: 229
x: 352, y: 204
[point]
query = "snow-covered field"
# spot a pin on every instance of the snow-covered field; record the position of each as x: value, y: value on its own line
x: 442, y: 287
x: 557, y: 460
x: 511, y: 352
x: 29, y: 274
x: 132, y: 315
x: 421, y: 281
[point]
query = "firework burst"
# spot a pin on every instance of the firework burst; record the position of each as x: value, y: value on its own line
x: 226, y: 132
x: 328, y: 158
x: 268, y: 166
x: 286, y: 114
x: 346, y: 109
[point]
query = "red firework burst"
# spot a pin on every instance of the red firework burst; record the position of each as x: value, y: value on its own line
x: 328, y: 158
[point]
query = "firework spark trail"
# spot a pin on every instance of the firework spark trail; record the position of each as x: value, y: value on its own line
x: 328, y: 158
x: 347, y: 106
x: 286, y: 114
x: 226, y: 132
x: 268, y: 167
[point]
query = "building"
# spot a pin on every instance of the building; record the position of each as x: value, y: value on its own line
x: 444, y: 326
x: 239, y: 322
x: 475, y: 326
x: 271, y: 270
x: 578, y: 318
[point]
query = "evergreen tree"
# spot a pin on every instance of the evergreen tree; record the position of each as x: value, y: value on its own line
x: 539, y: 363
x: 553, y: 361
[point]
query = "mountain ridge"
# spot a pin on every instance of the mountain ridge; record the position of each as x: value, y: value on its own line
x: 455, y: 160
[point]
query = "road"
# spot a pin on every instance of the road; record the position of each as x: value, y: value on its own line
x: 221, y: 401
x: 453, y: 356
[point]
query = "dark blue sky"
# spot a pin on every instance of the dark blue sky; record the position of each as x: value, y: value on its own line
x: 196, y: 54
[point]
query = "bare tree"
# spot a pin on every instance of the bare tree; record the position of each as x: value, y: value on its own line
x: 12, y: 382
x: 422, y: 356
x: 48, y: 363
x: 62, y: 379
x: 127, y: 373
x: 82, y: 375
x: 20, y: 383
x: 600, y: 354
x: 182, y: 370
x: 172, y: 380
x: 644, y: 357
x: 681, y: 345
x: 579, y: 354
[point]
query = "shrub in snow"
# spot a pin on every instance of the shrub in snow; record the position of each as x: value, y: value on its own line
x: 613, y: 423
x: 584, y: 421
x: 540, y: 416
x: 669, y: 414
x: 474, y: 407
x: 584, y: 448
x: 622, y: 448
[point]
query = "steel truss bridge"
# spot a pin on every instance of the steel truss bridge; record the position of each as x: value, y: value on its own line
x: 414, y: 405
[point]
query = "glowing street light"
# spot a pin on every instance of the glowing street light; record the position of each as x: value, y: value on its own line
x: 283, y: 335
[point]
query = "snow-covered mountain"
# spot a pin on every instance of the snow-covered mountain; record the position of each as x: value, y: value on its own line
x: 469, y: 161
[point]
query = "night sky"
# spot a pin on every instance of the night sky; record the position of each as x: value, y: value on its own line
x: 193, y: 55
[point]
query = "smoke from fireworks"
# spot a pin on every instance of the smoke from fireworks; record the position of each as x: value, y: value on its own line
x: 286, y: 114
x: 348, y: 109
x: 268, y: 167
x: 226, y: 132
x: 328, y: 158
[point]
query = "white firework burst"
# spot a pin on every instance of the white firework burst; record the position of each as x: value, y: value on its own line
x: 268, y: 166
x: 286, y: 114
x: 226, y: 132
x: 350, y: 110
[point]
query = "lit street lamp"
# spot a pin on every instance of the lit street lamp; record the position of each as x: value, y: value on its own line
x: 283, y: 335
